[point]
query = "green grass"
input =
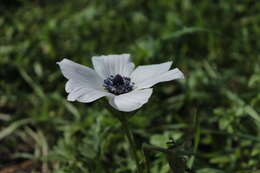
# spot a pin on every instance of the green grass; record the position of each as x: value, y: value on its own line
x: 215, y: 43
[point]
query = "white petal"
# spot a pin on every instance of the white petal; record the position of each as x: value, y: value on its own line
x: 84, y: 84
x: 107, y: 65
x: 167, y: 76
x: 86, y: 95
x: 130, y: 101
x: 79, y: 75
x: 145, y: 72
x: 73, y: 84
x: 82, y: 93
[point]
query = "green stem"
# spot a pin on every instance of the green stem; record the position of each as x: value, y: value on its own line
x: 196, y: 139
x: 131, y: 140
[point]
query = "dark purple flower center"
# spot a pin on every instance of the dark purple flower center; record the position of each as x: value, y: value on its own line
x: 118, y: 84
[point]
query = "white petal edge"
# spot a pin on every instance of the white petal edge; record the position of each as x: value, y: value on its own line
x: 130, y: 101
x: 164, y: 77
x: 79, y: 75
x: 73, y: 84
x: 86, y: 95
x: 107, y: 65
x: 146, y: 72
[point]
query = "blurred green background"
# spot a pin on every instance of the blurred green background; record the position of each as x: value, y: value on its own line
x: 215, y: 43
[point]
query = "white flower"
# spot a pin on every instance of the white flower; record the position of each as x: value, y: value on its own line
x: 115, y: 77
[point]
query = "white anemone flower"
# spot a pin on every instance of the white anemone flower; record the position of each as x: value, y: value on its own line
x: 115, y: 77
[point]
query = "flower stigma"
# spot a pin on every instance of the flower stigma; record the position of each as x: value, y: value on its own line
x: 118, y: 84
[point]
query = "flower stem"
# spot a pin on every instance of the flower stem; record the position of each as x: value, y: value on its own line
x: 131, y: 140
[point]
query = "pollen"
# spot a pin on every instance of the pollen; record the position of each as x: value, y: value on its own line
x: 118, y: 84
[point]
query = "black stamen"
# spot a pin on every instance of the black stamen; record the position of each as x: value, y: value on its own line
x: 118, y: 84
x: 118, y: 80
